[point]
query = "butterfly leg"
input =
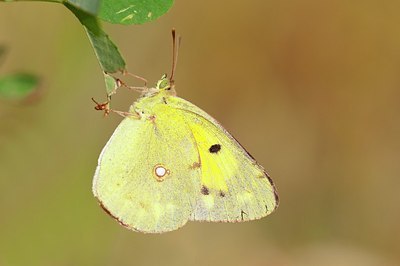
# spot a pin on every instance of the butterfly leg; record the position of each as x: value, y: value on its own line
x: 102, y: 106
x: 134, y: 88
x: 136, y: 76
x: 125, y: 114
x: 140, y: 89
x: 106, y: 108
x: 118, y: 83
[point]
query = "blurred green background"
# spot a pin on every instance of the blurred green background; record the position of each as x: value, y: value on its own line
x: 310, y: 88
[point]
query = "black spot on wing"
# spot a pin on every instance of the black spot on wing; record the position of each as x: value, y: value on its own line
x: 204, y: 190
x: 215, y: 148
x: 221, y: 194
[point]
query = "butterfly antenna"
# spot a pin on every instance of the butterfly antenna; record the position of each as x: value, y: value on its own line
x: 176, y: 42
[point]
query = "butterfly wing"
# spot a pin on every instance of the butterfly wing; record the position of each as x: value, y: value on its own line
x: 126, y: 181
x: 234, y: 187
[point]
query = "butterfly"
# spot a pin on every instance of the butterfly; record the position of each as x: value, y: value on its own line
x: 169, y: 162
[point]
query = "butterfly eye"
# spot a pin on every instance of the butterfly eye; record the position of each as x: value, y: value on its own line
x: 163, y: 83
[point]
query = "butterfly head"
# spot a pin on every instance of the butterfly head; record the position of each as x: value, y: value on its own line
x: 165, y: 85
x: 154, y: 97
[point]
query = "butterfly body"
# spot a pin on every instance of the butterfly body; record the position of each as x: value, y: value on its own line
x: 170, y: 162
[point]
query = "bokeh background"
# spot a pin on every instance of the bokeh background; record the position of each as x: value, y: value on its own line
x: 311, y: 88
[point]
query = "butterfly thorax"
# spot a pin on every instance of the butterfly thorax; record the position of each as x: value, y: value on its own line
x: 153, y: 98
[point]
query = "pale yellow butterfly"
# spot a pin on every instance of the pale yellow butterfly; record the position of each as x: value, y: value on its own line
x: 169, y: 162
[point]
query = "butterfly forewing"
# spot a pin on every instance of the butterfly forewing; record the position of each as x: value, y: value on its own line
x: 234, y: 187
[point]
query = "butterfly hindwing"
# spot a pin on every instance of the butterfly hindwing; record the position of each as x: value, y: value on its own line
x: 126, y: 184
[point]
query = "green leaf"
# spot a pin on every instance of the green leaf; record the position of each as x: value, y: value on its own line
x: 91, y: 6
x: 112, y: 84
x: 17, y: 86
x: 133, y: 11
x: 107, y: 53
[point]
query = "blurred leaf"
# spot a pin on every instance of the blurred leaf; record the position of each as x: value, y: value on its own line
x: 89, y: 6
x: 107, y: 53
x: 17, y: 86
x: 133, y: 11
